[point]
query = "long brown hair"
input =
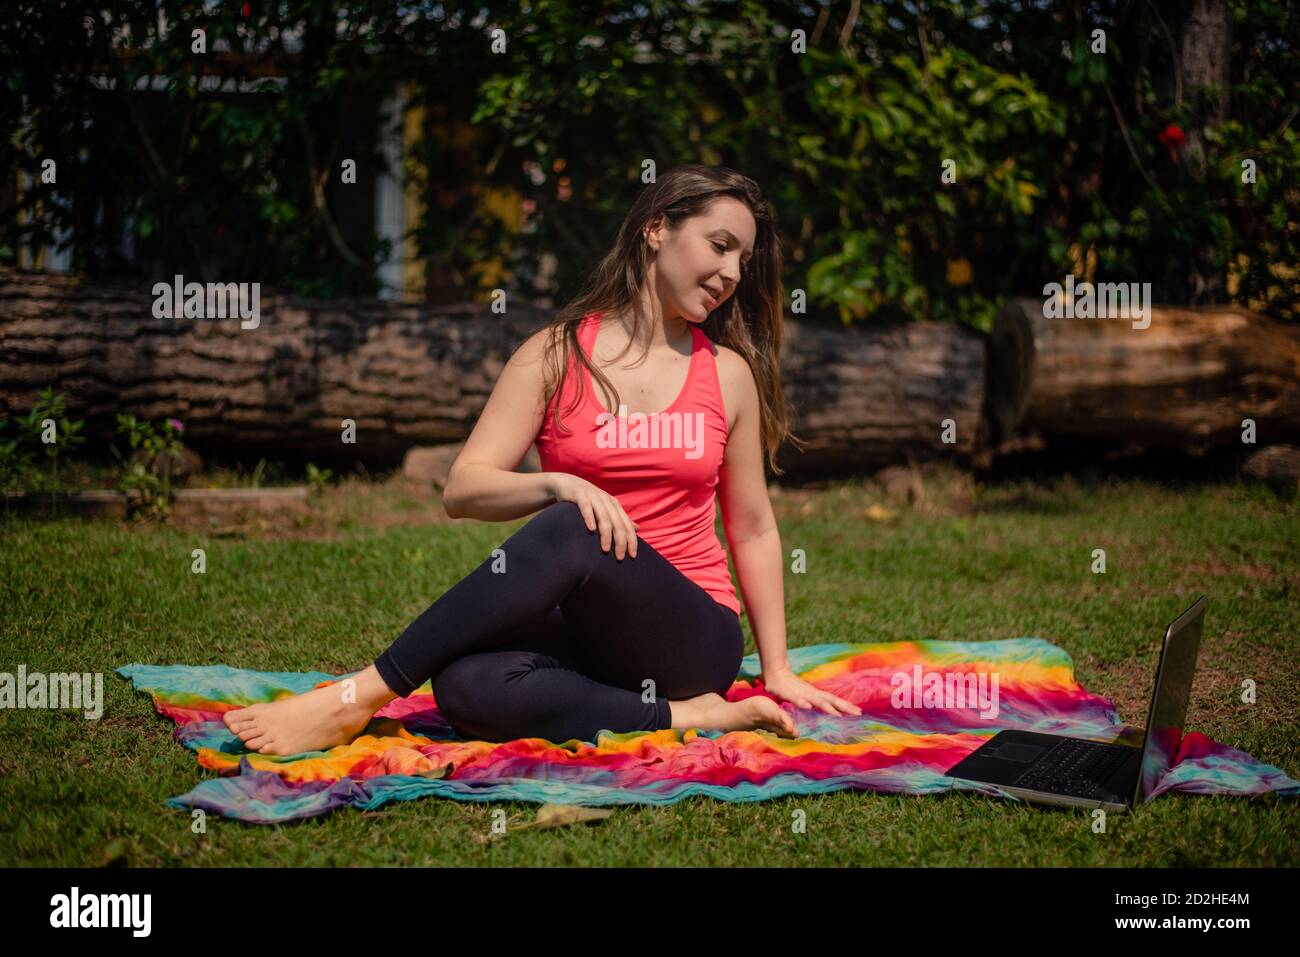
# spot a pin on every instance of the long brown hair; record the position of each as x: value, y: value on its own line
x: 749, y: 321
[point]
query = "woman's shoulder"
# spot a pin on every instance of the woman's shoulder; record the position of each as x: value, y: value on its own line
x: 736, y: 381
x: 730, y: 362
x: 539, y: 340
x: 535, y: 361
x: 533, y: 347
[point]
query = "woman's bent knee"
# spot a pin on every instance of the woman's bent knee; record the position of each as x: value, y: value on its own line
x: 561, y: 519
x: 455, y: 690
x: 480, y: 696
x: 562, y: 531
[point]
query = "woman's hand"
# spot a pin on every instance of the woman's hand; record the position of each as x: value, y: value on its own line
x: 789, y: 686
x: 599, y: 509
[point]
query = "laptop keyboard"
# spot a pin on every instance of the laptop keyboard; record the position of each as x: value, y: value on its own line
x: 1075, y: 768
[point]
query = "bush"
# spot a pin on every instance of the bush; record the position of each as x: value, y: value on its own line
x: 45, y: 429
x: 317, y: 479
x: 149, y: 475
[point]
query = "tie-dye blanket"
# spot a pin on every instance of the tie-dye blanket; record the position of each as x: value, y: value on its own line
x: 900, y: 743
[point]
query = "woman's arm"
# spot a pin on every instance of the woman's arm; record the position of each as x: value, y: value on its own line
x: 755, y: 542
x: 747, y: 517
x: 482, y: 483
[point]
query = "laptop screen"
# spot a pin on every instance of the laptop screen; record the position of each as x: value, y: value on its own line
x: 1168, y: 712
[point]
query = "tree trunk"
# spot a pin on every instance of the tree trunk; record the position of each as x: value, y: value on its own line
x: 861, y: 398
x: 870, y: 396
x: 1187, y: 382
x: 1204, y: 30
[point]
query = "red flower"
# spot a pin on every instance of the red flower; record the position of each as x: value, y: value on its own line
x: 245, y: 10
x: 1172, y: 137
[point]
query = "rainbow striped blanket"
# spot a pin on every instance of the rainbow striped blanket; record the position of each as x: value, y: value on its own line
x: 901, y: 743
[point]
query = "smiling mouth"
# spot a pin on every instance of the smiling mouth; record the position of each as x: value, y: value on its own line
x: 714, y: 299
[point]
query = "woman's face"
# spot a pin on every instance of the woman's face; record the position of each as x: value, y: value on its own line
x: 710, y: 251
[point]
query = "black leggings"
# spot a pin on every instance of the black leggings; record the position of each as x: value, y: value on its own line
x: 552, y: 637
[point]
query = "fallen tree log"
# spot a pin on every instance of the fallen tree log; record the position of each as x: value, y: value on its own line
x: 1187, y: 381
x: 861, y: 398
x: 866, y: 397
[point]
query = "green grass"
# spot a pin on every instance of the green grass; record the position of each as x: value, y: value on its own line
x: 92, y: 596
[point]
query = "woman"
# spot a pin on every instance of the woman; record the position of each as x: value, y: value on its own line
x: 555, y: 636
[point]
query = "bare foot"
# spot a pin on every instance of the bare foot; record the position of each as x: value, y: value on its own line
x: 713, y: 712
x: 312, y: 721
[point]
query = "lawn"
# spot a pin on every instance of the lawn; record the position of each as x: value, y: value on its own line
x: 1010, y: 559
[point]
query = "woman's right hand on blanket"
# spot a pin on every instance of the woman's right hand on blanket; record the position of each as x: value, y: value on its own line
x: 599, y: 510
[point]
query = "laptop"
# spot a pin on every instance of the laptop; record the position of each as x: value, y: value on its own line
x: 1055, y: 769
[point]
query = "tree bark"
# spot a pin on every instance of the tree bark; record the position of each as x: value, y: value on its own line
x: 1187, y: 381
x: 408, y: 375
x: 861, y: 398
x: 1202, y: 74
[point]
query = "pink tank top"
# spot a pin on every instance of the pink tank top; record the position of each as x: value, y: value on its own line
x: 662, y: 467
